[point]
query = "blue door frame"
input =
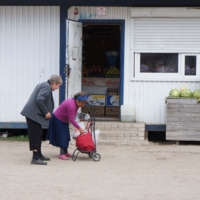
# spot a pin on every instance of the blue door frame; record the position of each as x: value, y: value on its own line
x: 63, y: 49
x: 122, y: 24
x: 63, y: 17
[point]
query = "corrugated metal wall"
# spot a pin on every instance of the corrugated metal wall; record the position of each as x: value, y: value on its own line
x: 149, y: 96
x: 29, y: 54
x: 166, y: 35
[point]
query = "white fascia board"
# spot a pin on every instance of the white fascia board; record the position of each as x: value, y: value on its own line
x: 165, y: 12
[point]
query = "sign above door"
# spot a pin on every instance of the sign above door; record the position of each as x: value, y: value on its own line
x: 101, y: 11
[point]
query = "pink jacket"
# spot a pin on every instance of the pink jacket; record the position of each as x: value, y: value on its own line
x: 66, y: 112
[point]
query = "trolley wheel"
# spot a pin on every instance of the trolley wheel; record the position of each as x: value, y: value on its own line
x: 90, y: 154
x: 96, y: 156
x: 73, y: 157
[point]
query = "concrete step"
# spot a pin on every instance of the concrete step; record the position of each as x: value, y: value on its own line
x: 119, y: 126
x: 118, y: 133
x: 123, y: 142
x: 123, y: 136
x: 107, y: 119
x: 117, y: 142
x: 122, y: 133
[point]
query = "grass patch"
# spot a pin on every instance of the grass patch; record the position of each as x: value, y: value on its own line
x: 15, y: 138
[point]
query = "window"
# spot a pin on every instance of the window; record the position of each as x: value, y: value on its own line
x: 159, y: 62
x: 167, y: 66
x: 190, y: 65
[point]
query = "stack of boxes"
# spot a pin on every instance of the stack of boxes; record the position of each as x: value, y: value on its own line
x: 103, y: 105
x: 112, y: 102
x: 95, y: 105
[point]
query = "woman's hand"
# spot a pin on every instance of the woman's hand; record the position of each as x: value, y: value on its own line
x: 81, y: 130
x: 48, y: 115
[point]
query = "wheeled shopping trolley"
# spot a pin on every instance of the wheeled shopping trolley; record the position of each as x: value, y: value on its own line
x: 92, y: 154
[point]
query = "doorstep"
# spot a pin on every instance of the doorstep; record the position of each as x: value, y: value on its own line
x: 119, y: 133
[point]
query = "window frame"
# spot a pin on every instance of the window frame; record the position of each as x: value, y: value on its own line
x: 183, y: 64
x: 179, y: 76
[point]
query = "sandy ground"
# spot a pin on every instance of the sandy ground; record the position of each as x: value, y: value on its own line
x: 154, y: 172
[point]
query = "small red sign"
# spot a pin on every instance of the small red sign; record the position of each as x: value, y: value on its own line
x: 101, y: 11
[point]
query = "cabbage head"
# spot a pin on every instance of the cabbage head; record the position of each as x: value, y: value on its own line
x: 196, y: 94
x: 186, y: 93
x: 183, y: 88
x: 174, y: 93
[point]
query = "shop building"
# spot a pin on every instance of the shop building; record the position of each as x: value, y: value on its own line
x: 122, y: 55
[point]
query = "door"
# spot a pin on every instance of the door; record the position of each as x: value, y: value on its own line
x: 73, y: 57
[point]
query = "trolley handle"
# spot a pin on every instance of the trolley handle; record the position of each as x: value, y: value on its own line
x: 88, y: 125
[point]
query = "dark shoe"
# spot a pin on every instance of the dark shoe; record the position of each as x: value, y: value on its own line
x: 44, y: 158
x: 38, y: 162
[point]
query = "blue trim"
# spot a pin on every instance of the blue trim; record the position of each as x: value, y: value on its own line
x: 156, y: 127
x: 63, y: 17
x: 13, y: 125
x: 122, y: 62
x: 116, y: 22
x: 23, y: 125
x: 131, y: 3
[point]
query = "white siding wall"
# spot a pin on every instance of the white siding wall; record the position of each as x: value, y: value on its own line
x: 143, y: 35
x: 167, y: 35
x: 90, y: 13
x: 29, y: 54
x: 149, y: 98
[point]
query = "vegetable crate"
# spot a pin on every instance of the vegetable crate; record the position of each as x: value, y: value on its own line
x: 183, y: 119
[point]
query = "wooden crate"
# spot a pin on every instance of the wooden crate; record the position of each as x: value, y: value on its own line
x: 183, y: 119
x: 112, y: 91
x: 111, y: 111
x: 94, y: 110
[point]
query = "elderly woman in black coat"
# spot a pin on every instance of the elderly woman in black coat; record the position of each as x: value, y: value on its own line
x: 38, y: 111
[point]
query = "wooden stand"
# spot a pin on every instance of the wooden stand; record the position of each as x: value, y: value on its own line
x: 183, y: 119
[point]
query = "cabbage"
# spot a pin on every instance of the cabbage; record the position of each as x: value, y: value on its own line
x: 186, y: 93
x: 174, y: 93
x: 183, y: 88
x: 196, y: 94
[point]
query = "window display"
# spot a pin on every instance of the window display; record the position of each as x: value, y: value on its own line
x: 159, y: 63
x: 101, y: 45
x: 101, y: 68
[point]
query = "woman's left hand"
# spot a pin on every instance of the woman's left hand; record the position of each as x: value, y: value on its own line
x: 48, y: 115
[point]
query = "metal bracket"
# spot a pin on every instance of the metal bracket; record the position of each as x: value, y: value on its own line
x: 67, y: 70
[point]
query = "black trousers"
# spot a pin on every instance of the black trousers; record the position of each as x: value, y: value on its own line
x: 35, y: 132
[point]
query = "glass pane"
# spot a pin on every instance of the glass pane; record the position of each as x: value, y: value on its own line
x: 190, y: 65
x: 159, y: 62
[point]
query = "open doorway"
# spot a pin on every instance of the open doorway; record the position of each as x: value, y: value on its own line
x: 101, y: 68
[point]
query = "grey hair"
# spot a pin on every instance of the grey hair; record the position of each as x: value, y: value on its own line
x: 82, y: 94
x: 55, y: 79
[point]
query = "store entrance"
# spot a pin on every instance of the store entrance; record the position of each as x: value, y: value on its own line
x: 101, y: 70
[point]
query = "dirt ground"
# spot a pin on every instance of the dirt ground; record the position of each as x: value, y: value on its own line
x: 154, y: 172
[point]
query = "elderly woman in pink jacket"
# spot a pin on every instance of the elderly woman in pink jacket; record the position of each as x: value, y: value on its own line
x: 58, y: 133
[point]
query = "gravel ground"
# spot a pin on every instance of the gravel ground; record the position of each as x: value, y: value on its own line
x: 154, y: 172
